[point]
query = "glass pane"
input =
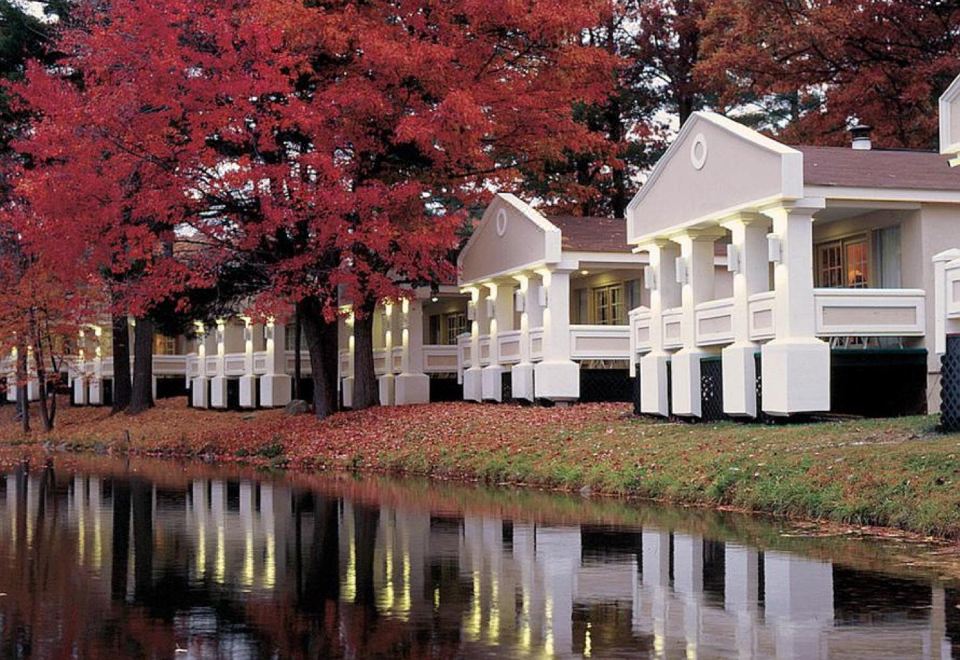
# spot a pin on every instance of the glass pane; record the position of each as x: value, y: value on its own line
x: 858, y: 275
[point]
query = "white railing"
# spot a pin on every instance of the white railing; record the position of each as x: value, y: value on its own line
x: 439, y: 358
x: 870, y: 312
x: 761, y: 321
x: 169, y: 365
x: 640, y: 325
x: 672, y: 335
x: 484, y: 350
x: 947, y: 297
x: 463, y: 351
x: 509, y: 346
x: 536, y: 344
x: 600, y: 342
x: 714, y: 322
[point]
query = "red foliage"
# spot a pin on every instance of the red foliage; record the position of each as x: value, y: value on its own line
x: 883, y: 63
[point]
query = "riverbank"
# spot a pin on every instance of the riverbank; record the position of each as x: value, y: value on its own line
x: 896, y: 473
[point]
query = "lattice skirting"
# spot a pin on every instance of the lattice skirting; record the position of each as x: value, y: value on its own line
x: 711, y: 389
x: 950, y: 385
x: 605, y: 385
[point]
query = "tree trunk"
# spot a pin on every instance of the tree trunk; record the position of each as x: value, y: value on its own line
x: 121, y: 362
x: 297, y: 336
x: 121, y: 539
x: 141, y: 396
x: 23, y: 397
x: 366, y: 392
x: 46, y: 420
x: 322, y: 346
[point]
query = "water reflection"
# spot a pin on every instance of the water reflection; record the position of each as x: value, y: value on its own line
x: 143, y: 559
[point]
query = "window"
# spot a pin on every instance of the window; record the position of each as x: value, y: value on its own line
x: 844, y: 263
x: 456, y: 325
x: 163, y: 345
x: 608, y: 303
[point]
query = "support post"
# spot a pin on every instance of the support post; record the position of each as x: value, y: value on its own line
x: 276, y: 384
x: 696, y: 255
x: 501, y: 299
x: 795, y: 364
x: 557, y: 377
x: 412, y: 385
x: 199, y: 390
x: 387, y: 380
x: 248, y: 381
x: 664, y: 294
x: 531, y: 316
x: 80, y: 379
x: 748, y: 232
x: 472, y: 376
x: 95, y: 395
x: 346, y: 383
x: 218, y: 384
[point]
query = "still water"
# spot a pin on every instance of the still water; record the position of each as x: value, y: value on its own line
x: 109, y: 558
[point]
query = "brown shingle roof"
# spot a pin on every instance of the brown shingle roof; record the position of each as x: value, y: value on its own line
x: 584, y: 234
x: 876, y: 168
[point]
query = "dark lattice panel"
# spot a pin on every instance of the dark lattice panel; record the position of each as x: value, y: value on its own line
x: 605, y: 385
x: 759, y: 385
x: 669, y: 387
x: 636, y: 392
x: 711, y: 389
x: 233, y: 394
x: 878, y: 383
x: 950, y: 385
x: 168, y: 388
x: 445, y: 389
x: 506, y: 386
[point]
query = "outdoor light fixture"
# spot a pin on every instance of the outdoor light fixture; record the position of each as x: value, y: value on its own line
x: 542, y: 296
x: 683, y: 274
x: 519, y: 302
x: 774, y: 248
x: 584, y: 272
x: 434, y: 299
x: 491, y: 308
x: 471, y: 311
x: 733, y: 258
x: 649, y: 278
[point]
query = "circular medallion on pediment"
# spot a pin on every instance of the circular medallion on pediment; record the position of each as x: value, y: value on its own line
x: 501, y: 222
x: 698, y: 151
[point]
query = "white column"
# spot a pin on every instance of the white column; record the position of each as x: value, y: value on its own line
x: 501, y: 320
x: 80, y: 378
x: 664, y: 294
x: 199, y: 390
x: 275, y: 385
x: 95, y: 395
x: 218, y: 384
x: 751, y: 274
x: 248, y: 381
x: 696, y: 286
x: 412, y: 385
x: 531, y: 316
x: 12, y: 377
x: 795, y: 365
x: 346, y: 383
x: 941, y: 297
x: 387, y: 379
x: 557, y: 377
x: 472, y: 377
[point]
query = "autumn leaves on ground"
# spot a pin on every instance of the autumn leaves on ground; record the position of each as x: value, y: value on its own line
x: 898, y: 473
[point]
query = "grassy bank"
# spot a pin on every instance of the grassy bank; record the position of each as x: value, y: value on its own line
x: 897, y: 473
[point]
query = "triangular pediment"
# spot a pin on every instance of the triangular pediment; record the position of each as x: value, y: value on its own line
x: 715, y: 166
x: 950, y: 119
x: 511, y: 236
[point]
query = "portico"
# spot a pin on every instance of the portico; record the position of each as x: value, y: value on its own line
x: 828, y: 252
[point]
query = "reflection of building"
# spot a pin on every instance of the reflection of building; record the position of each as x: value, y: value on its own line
x: 243, y: 566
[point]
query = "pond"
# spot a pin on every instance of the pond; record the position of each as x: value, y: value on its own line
x: 105, y: 557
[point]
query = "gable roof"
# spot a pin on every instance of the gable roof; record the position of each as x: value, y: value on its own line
x: 591, y: 234
x: 877, y: 168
